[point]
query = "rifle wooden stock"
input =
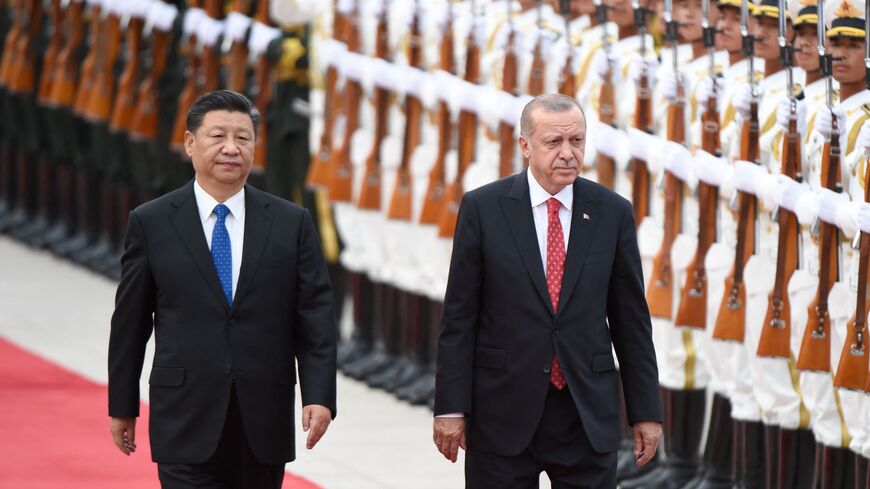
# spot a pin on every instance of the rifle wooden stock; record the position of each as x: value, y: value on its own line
x: 341, y: 169
x: 436, y: 192
x: 692, y: 311
x: 731, y: 320
x: 815, y: 352
x: 660, y: 291
x: 605, y: 165
x: 143, y: 125
x: 99, y: 106
x: 15, y: 32
x: 262, y: 92
x: 506, y: 142
x: 467, y: 139
x: 125, y: 101
x: 49, y: 58
x: 318, y: 168
x: 237, y: 58
x: 88, y: 72
x: 775, y: 340
x: 66, y: 67
x: 23, y: 73
x: 640, y: 178
x: 853, y: 364
x: 568, y: 82
x: 370, y: 191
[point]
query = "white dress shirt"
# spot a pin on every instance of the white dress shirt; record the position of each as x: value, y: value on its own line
x: 235, y: 223
x: 539, y: 198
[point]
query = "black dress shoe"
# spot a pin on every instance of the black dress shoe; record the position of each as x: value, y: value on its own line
x: 352, y: 350
x: 674, y: 474
x: 376, y: 361
x: 631, y: 472
x: 421, y: 392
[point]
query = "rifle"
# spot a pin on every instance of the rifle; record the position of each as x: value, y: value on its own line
x: 12, y: 36
x: 433, y: 203
x: 341, y: 169
x: 66, y: 66
x: 262, y: 90
x: 99, y: 106
x: 660, y: 293
x: 400, y: 203
x: 143, y: 125
x: 605, y: 165
x: 234, y: 49
x: 506, y: 141
x: 536, y: 75
x: 318, y: 170
x: 467, y: 139
x: 125, y: 101
x: 370, y: 193
x: 49, y: 58
x: 692, y: 311
x: 852, y: 368
x: 815, y: 352
x: 775, y: 338
x: 731, y: 321
x: 23, y: 73
x: 568, y: 82
x: 643, y: 120
x: 88, y: 74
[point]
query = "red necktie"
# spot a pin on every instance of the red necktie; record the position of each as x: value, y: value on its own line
x: 555, y: 270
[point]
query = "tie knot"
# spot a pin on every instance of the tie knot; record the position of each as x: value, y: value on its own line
x: 553, y: 205
x: 221, y: 211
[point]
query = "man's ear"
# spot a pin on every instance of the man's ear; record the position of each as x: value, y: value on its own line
x: 524, y: 145
x: 188, y: 143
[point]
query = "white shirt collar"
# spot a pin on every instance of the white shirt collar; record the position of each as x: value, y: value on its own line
x: 206, y: 203
x: 539, y: 196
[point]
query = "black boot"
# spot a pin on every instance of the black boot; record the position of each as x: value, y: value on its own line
x: 360, y: 342
x: 838, y: 468
x: 861, y: 467
x: 796, y: 456
x: 34, y: 232
x: 771, y: 456
x: 686, y: 420
x: 718, y: 450
x: 63, y: 223
x: 7, y: 184
x: 20, y: 214
x: 752, y: 455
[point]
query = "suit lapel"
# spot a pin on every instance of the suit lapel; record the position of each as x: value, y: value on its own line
x: 258, y: 225
x: 517, y: 208
x: 185, y: 219
x: 582, y: 231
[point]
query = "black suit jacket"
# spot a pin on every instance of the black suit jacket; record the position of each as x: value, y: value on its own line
x: 282, y: 313
x: 499, y: 331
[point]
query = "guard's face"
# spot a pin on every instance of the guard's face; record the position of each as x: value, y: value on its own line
x: 766, y: 32
x: 688, y: 14
x: 728, y: 27
x: 620, y: 12
x: 555, y: 147
x: 222, y: 149
x: 806, y: 43
x: 848, y: 53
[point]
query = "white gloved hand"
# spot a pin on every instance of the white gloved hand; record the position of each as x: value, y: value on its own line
x: 668, y: 85
x: 864, y: 136
x: 742, y: 99
x: 603, y: 65
x: 705, y: 91
x: 639, y: 66
x: 783, y: 114
x: 824, y: 120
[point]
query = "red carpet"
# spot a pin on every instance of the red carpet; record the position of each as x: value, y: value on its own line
x: 54, y: 431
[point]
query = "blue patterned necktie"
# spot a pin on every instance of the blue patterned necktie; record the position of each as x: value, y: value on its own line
x: 221, y: 251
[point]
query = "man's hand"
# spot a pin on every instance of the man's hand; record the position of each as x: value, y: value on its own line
x: 315, y: 421
x: 646, y: 439
x: 124, y: 434
x: 449, y: 436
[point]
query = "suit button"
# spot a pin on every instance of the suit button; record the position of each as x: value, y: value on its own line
x: 232, y: 323
x: 547, y: 369
x: 556, y: 331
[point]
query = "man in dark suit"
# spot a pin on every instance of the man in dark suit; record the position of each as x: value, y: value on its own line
x: 234, y: 285
x: 545, y: 281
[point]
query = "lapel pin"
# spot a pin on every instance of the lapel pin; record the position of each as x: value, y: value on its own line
x: 586, y: 217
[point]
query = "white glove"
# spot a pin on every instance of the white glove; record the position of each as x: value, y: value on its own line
x: 639, y: 66
x: 603, y: 64
x: 828, y: 204
x: 824, y: 120
x: 678, y: 161
x: 864, y: 217
x: 783, y: 114
x: 864, y: 136
x: 668, y: 85
x: 705, y: 91
x: 743, y: 99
